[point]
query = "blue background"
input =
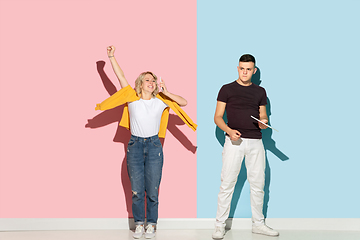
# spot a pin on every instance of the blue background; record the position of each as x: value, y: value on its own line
x: 308, y: 56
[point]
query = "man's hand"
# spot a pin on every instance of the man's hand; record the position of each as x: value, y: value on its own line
x: 234, y: 135
x: 262, y: 126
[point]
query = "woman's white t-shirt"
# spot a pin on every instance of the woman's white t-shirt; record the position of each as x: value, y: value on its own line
x: 145, y: 117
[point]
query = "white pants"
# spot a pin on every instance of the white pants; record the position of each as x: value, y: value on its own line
x: 233, y: 155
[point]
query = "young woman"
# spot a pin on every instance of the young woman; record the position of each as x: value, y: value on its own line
x: 146, y: 113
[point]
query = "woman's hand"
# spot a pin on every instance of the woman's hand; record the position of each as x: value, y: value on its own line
x: 162, y: 86
x: 180, y: 100
x: 110, y: 50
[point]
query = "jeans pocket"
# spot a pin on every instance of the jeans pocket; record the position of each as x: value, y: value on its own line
x: 131, y: 142
x: 156, y: 142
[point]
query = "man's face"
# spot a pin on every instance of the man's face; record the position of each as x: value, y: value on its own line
x: 246, y: 70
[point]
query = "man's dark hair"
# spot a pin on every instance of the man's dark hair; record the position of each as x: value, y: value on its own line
x: 247, y: 58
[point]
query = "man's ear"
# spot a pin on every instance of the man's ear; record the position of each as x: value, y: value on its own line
x: 255, y: 70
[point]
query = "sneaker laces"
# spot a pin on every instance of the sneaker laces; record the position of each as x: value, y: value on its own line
x: 218, y: 229
x: 149, y: 228
x: 139, y: 228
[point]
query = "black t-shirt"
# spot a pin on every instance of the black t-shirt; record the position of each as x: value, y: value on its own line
x: 242, y: 102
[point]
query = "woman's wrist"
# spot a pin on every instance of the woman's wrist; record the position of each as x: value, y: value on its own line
x: 111, y: 56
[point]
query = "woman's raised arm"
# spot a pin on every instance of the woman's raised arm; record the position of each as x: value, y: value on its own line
x: 118, y: 71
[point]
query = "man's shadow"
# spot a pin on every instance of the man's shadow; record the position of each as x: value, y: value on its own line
x: 269, y: 145
x: 122, y: 135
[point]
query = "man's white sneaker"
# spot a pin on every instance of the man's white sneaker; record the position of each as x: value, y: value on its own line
x: 265, y: 230
x: 218, y: 233
x: 150, y: 231
x: 139, y: 231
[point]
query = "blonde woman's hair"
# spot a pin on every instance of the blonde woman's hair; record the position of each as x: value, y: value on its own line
x: 139, y: 82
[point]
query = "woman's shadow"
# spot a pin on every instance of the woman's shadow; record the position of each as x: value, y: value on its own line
x: 122, y: 135
x: 269, y: 145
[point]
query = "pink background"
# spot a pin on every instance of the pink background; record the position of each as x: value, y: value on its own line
x: 51, y: 165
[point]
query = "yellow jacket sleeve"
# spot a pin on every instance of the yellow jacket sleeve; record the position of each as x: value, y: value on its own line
x: 177, y: 109
x: 124, y: 95
x: 125, y: 119
x: 164, y: 122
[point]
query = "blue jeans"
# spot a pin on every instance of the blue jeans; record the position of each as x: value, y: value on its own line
x: 144, y: 164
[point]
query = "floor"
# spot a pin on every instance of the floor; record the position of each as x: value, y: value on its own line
x: 177, y: 235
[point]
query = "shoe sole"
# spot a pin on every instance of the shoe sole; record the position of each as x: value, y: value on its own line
x: 149, y: 237
x: 218, y: 237
x: 138, y: 237
x: 271, y: 235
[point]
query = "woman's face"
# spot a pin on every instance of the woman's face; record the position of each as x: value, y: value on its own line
x: 148, y: 83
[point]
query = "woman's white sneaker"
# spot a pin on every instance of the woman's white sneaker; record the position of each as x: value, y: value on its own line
x: 139, y: 231
x: 150, y: 231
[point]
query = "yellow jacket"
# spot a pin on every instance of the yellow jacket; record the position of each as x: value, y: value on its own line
x: 128, y: 94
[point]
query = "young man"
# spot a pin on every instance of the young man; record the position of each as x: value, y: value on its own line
x: 241, y: 99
